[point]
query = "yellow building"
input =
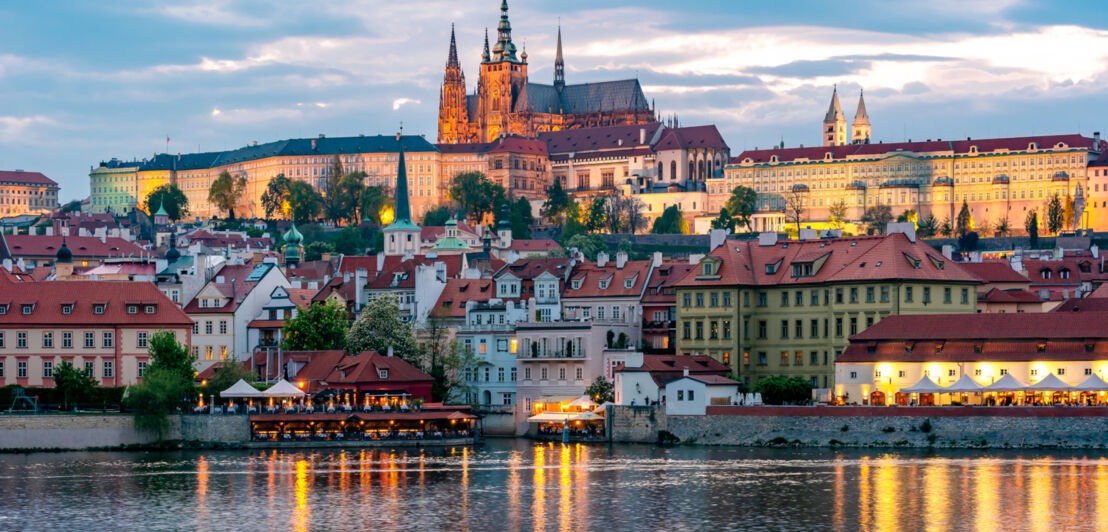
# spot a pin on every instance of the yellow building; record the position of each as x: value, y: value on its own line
x: 27, y: 193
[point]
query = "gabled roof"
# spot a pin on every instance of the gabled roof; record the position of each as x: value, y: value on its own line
x: 619, y: 95
x: 1050, y: 272
x: 19, y: 177
x: 996, y: 295
x: 665, y: 277
x: 993, y: 272
x: 687, y: 138
x: 452, y: 301
x: 529, y: 269
x: 406, y: 271
x: 48, y: 297
x: 590, y: 276
x: 81, y: 246
x: 696, y: 364
x: 597, y: 138
x: 1089, y: 304
x: 534, y: 245
x: 326, y: 146
x: 930, y: 148
x: 238, y: 282
x: 999, y: 326
x: 365, y: 369
x: 515, y: 144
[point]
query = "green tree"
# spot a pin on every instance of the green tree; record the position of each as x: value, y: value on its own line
x: 322, y: 327
x: 379, y: 327
x: 724, y: 220
x: 796, y: 206
x: 573, y: 225
x: 671, y: 222
x: 601, y: 391
x: 780, y: 390
x: 927, y: 227
x: 375, y: 200
x: 837, y: 213
x: 596, y: 219
x: 349, y: 242
x: 442, y: 359
x: 226, y: 191
x: 476, y: 195
x: 304, y: 202
x: 351, y: 189
x: 169, y: 196
x: 73, y: 206
x: 167, y: 354
x: 557, y: 203
x: 225, y: 376
x: 945, y: 228
x: 276, y: 196
x: 741, y: 206
x: 167, y: 382
x: 877, y: 218
x: 315, y: 250
x: 1055, y: 215
x: 634, y: 217
x: 1031, y: 224
x: 909, y: 215
x: 1068, y: 212
x: 437, y: 217
x: 1002, y: 227
x: 74, y: 383
x: 521, y: 219
x: 964, y: 223
x: 587, y: 244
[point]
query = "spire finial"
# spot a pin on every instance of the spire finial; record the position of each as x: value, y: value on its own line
x: 559, y: 62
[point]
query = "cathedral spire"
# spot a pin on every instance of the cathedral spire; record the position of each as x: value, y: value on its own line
x: 452, y: 58
x: 403, y: 209
x: 835, y: 111
x: 834, y: 123
x: 860, y: 129
x: 485, y: 54
x: 861, y: 117
x: 559, y: 64
x: 504, y: 49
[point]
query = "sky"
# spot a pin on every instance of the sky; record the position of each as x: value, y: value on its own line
x: 82, y: 82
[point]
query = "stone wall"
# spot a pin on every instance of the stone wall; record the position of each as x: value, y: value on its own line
x: 500, y: 423
x: 62, y: 431
x: 965, y: 431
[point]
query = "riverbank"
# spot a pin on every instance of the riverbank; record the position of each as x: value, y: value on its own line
x: 921, y: 427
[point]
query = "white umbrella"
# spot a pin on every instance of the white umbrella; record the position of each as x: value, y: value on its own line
x: 241, y: 389
x: 283, y: 388
x: 925, y: 385
x: 584, y: 402
x: 603, y: 407
x: 1092, y: 384
x: 964, y: 384
x: 1050, y: 383
x: 1007, y: 383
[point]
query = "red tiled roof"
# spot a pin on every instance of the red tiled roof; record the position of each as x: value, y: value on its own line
x: 866, y: 258
x: 452, y: 301
x: 537, y: 244
x: 301, y: 297
x: 1039, y: 270
x: 1010, y: 326
x: 696, y: 364
x: 1100, y: 292
x: 993, y: 272
x: 350, y: 264
x: 516, y: 144
x: 81, y: 246
x: 596, y: 138
x: 528, y: 269
x: 35, y: 178
x: 47, y: 299
x: 665, y: 277
x: 313, y: 270
x: 685, y: 138
x: 601, y: 154
x: 235, y: 293
x: 590, y: 275
x: 714, y: 380
x: 996, y: 295
x: 407, y: 269
x: 364, y: 369
x: 434, y: 232
x: 958, y: 147
x: 1089, y: 304
x: 979, y: 350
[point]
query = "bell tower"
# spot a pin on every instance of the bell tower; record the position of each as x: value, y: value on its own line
x: 503, y: 84
x: 860, y: 129
x: 453, y: 109
x: 834, y: 123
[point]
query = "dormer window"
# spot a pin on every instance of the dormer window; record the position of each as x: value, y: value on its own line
x: 27, y: 309
x: 151, y: 308
x: 98, y: 309
x: 67, y: 308
x: 1064, y: 273
x: 383, y: 373
x: 603, y: 284
x: 628, y: 283
x: 132, y: 309
x: 576, y: 284
x: 803, y: 269
x: 3, y: 309
x: 1045, y: 273
x: 707, y: 268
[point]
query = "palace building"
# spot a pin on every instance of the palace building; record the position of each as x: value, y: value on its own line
x: 506, y: 102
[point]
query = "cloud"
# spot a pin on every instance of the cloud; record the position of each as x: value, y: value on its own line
x: 22, y: 129
x: 256, y: 115
x: 210, y: 12
x: 397, y: 103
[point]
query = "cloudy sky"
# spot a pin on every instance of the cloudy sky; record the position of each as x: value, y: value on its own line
x: 85, y: 81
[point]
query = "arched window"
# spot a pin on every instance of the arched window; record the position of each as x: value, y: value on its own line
x: 660, y: 168
x: 692, y: 170
x: 673, y: 169
x: 701, y: 165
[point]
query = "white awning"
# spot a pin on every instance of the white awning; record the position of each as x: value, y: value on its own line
x: 241, y: 389
x: 584, y: 402
x: 1092, y: 384
x: 559, y: 417
x: 1007, y: 383
x: 925, y: 385
x: 964, y: 384
x: 1050, y: 383
x: 283, y: 388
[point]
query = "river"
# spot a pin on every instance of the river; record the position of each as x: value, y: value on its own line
x: 522, y: 485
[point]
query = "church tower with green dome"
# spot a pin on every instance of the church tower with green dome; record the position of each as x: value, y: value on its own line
x: 293, y: 239
x: 402, y: 235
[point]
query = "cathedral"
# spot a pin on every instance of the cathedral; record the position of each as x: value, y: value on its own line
x: 506, y: 102
x: 834, y: 124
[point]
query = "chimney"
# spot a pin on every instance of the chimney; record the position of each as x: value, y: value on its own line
x: 767, y: 239
x: 1096, y: 140
x: 361, y: 277
x: 512, y: 257
x: 621, y: 260
x: 716, y: 238
x: 642, y: 135
x: 380, y: 263
x: 685, y: 371
x: 657, y: 259
x: 601, y: 259
x: 390, y: 351
x: 313, y: 144
x: 347, y: 277
x: 296, y: 284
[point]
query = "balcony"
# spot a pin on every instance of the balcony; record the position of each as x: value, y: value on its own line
x: 1060, y: 176
x: 652, y: 325
x: 486, y: 327
x: 555, y: 355
x: 1001, y: 180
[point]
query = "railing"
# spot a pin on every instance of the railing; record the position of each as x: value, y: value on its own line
x: 487, y: 327
x: 554, y: 355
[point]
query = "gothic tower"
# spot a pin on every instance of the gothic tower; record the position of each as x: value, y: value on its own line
x: 834, y: 124
x: 503, y: 83
x: 559, y: 65
x: 453, y: 110
x: 860, y: 129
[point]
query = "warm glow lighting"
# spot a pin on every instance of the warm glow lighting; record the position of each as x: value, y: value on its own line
x: 386, y: 215
x: 300, y: 384
x: 514, y: 345
x: 204, y: 382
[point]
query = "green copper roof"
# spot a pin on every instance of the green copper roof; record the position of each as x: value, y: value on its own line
x: 161, y: 210
x: 293, y: 237
x: 403, y: 214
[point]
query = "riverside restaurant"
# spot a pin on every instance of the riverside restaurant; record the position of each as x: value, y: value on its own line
x: 1045, y: 359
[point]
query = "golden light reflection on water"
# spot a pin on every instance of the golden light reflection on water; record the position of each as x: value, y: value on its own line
x: 986, y: 484
x: 538, y: 502
x: 1101, y: 495
x: 936, y: 494
x: 1039, y: 499
x: 301, y: 512
x: 840, y: 494
x: 865, y: 518
x: 886, y: 495
x: 565, y: 489
x: 514, y: 463
x: 581, y: 483
x: 202, y: 487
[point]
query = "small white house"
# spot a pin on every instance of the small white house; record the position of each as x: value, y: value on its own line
x: 692, y: 395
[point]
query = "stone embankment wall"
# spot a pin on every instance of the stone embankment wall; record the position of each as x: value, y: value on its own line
x: 914, y: 429
x: 61, y: 431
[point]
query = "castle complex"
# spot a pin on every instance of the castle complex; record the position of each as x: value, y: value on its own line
x: 507, y: 103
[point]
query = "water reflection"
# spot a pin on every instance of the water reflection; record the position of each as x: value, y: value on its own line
x: 522, y: 486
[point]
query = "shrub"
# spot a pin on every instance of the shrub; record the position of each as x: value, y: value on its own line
x: 844, y: 429
x: 888, y: 429
x: 925, y: 426
x: 778, y: 390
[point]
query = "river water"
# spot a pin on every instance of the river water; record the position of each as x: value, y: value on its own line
x: 522, y: 485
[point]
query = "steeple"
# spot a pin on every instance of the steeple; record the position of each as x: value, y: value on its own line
x: 403, y: 209
x: 559, y: 64
x: 834, y: 123
x: 452, y: 58
x: 504, y: 50
x: 860, y: 129
x: 401, y: 236
x: 485, y: 54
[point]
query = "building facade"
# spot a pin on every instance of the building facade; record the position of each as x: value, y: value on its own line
x: 506, y: 102
x: 27, y: 193
x: 787, y: 308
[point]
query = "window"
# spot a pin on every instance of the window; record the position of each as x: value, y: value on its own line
x: 67, y: 340
x: 784, y: 358
x: 1, y: 370
x: 600, y: 312
x: 699, y: 299
x: 699, y: 330
x: 89, y: 367
x: 209, y: 352
x: 838, y: 327
x: 208, y: 327
x: 761, y: 358
x: 713, y: 330
x: 813, y: 329
x: 383, y: 373
x: 527, y: 374
x: 686, y: 331
x: 727, y: 358
x: 761, y: 299
x: 1088, y: 371
x: 853, y: 326
x: 90, y: 340
x: 884, y: 294
x: 946, y: 295
x: 513, y: 374
x: 813, y: 358
x: 838, y: 296
x: 98, y: 309
x: 21, y: 369
x: 580, y: 374
x: 1061, y: 371
x: 965, y: 296
x: 853, y: 294
x: 142, y: 339
x: 195, y: 327
x: 707, y: 268
x: 687, y: 299
x: 132, y: 309
x: 3, y: 309
x: 141, y: 369
x: 784, y: 329
x: 726, y: 329
x: 680, y: 395
x: 1003, y: 372
x: 67, y: 308
x: 109, y: 369
x: 762, y: 332
x: 222, y: 326
x: 907, y: 294
x: 854, y: 374
x: 28, y: 308
x: 628, y: 283
x: 815, y: 297
x: 727, y: 299
x: 870, y: 292
x: 47, y: 340
x: 615, y: 312
x: 691, y: 395
x: 784, y: 299
x: 1, y: 340
x: 542, y: 374
x: 714, y: 299
x: 799, y: 298
x: 108, y: 340
x: 926, y: 295
x: 561, y: 374
x: 799, y: 326
x: 483, y: 348
x: 21, y: 340
x: 48, y: 370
